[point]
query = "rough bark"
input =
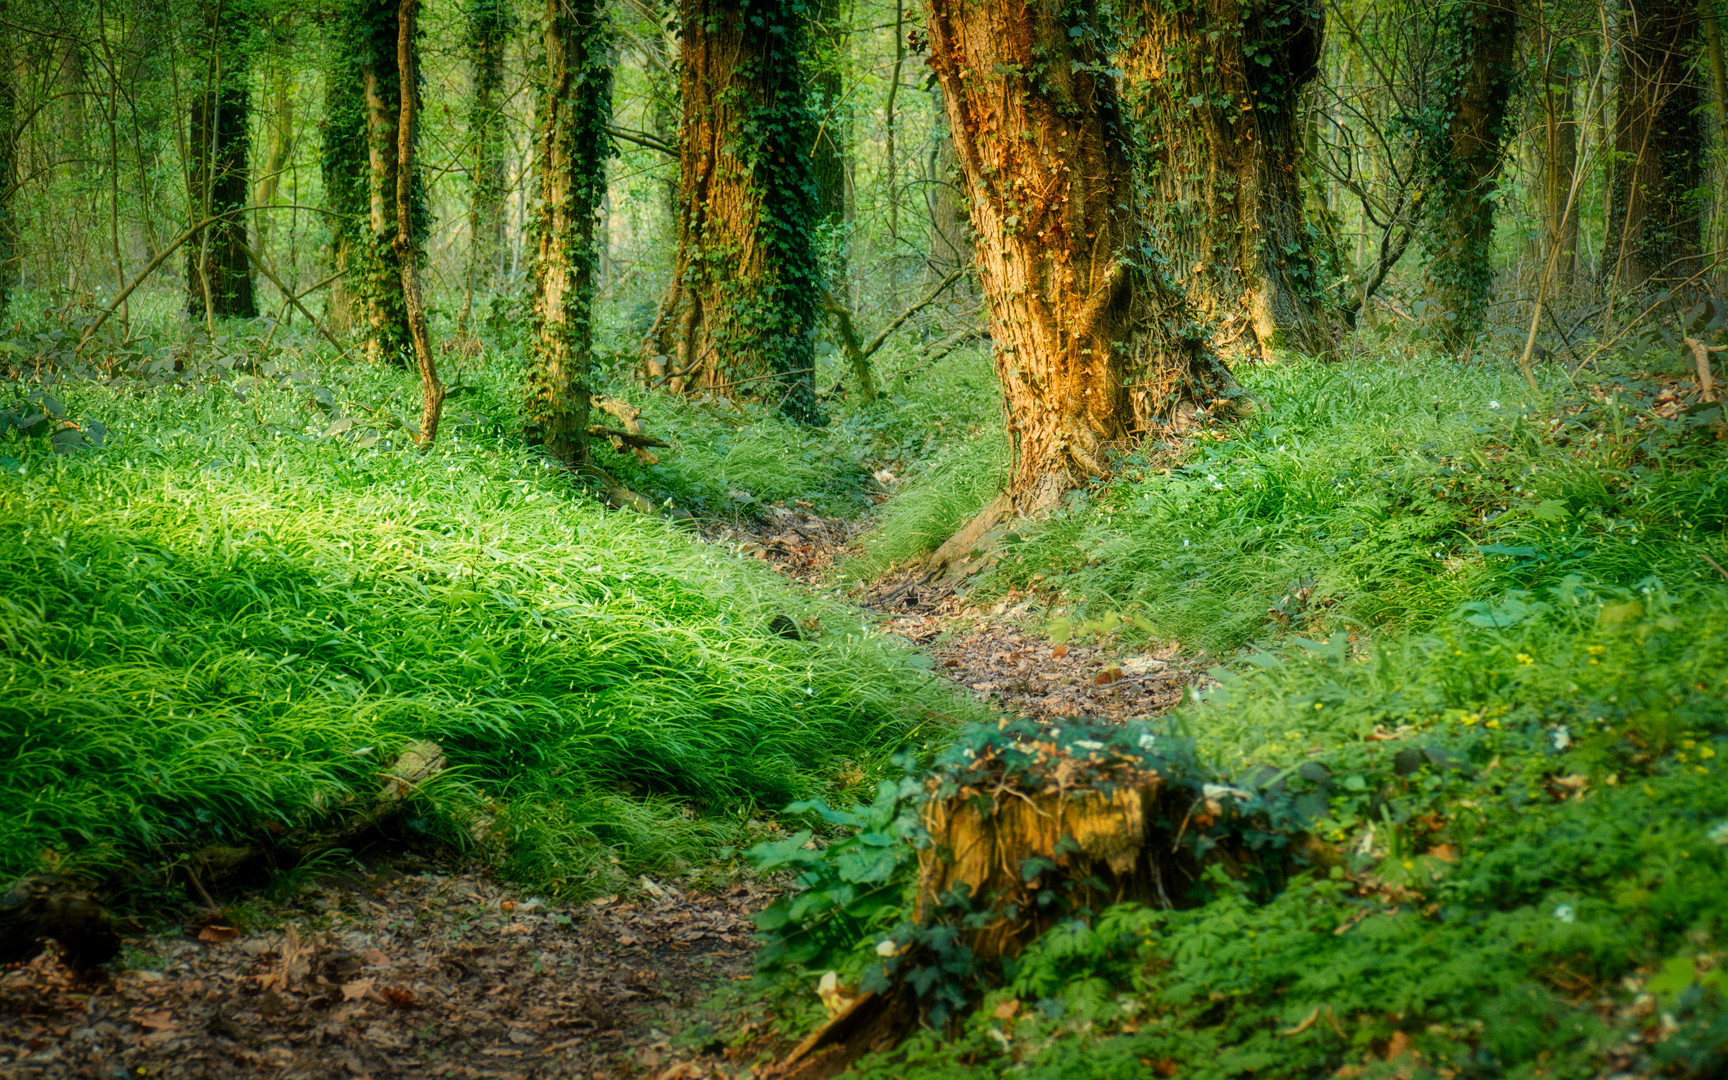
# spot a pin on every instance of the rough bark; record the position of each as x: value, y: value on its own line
x: 1217, y: 84
x: 1655, y: 213
x: 218, y: 273
x: 405, y: 240
x: 1463, y: 157
x: 828, y: 157
x: 571, y: 148
x: 344, y: 171
x: 743, y: 300
x: 1093, y: 346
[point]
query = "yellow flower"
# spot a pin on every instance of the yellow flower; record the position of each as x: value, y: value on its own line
x: 1525, y: 658
x: 1495, y: 724
x: 1705, y: 753
x: 1597, y: 650
x: 1687, y: 744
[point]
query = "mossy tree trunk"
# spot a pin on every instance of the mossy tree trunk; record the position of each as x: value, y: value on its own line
x: 1463, y: 151
x: 571, y: 148
x: 218, y: 270
x: 1655, y: 212
x: 389, y: 339
x: 405, y: 239
x: 828, y: 165
x: 742, y: 310
x: 344, y: 171
x: 1093, y: 346
x: 1217, y: 85
x: 489, y: 30
x: 9, y: 138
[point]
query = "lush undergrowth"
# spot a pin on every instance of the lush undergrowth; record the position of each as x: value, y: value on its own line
x: 223, y: 622
x: 1478, y: 632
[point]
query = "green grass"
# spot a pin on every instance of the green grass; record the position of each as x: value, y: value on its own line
x: 222, y: 624
x: 1512, y: 588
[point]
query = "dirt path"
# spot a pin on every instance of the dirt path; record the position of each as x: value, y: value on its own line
x: 406, y: 972
x: 411, y: 969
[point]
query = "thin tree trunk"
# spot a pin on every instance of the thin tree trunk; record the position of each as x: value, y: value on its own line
x: 743, y: 300
x: 1558, y: 160
x: 571, y: 147
x: 407, y: 243
x: 1093, y: 346
x: 1218, y: 85
x: 891, y: 157
x: 9, y: 139
x: 1659, y: 149
x: 218, y: 273
x: 279, y: 151
x: 345, y: 169
x: 950, y: 244
x: 1463, y: 160
x: 828, y: 157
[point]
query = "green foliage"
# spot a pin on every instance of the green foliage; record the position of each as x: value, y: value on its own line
x: 1518, y: 768
x: 223, y: 623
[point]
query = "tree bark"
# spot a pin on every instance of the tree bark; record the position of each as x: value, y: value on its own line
x: 571, y: 149
x: 278, y: 150
x: 8, y: 168
x: 828, y: 157
x: 217, y: 268
x: 390, y: 337
x: 743, y: 300
x: 1093, y: 345
x: 1218, y: 86
x: 344, y: 169
x: 405, y: 239
x: 950, y: 243
x: 1558, y: 157
x: 1659, y: 150
x: 490, y: 26
x: 1463, y: 159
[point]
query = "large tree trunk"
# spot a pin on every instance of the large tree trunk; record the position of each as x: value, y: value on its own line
x: 406, y: 239
x: 1093, y: 346
x: 1223, y: 174
x: 1659, y: 149
x: 218, y: 271
x: 828, y: 157
x: 490, y: 26
x: 1463, y: 158
x: 344, y: 171
x: 570, y: 162
x: 741, y: 313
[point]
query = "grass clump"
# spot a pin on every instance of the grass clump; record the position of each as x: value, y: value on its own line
x: 225, y: 621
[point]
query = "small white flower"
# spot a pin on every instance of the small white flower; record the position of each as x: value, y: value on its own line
x: 1148, y: 741
x: 1562, y: 738
x: 1718, y: 834
x: 886, y: 947
x: 1563, y: 913
x: 1088, y: 744
x: 1493, y: 404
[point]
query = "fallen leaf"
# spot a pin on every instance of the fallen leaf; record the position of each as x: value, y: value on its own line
x: 400, y: 998
x: 215, y: 935
x: 356, y: 990
x: 1007, y: 1009
x: 157, y: 1021
x: 1444, y: 852
x: 1397, y: 1046
x: 1108, y: 675
x: 1059, y: 651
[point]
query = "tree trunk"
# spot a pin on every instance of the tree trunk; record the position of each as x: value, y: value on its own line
x: 743, y: 301
x: 218, y: 273
x: 571, y: 148
x: 1463, y: 159
x: 490, y: 26
x: 1093, y: 346
x: 279, y: 149
x: 950, y: 244
x: 9, y: 138
x: 828, y: 158
x: 344, y: 170
x: 1654, y: 224
x: 390, y: 337
x: 406, y: 239
x: 1558, y: 157
x: 1223, y: 174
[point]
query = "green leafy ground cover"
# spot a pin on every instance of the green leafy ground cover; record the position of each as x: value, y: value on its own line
x: 222, y: 622
x: 1481, y: 640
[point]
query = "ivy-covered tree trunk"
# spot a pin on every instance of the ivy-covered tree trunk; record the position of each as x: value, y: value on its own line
x: 1217, y: 84
x: 1463, y: 150
x: 218, y: 270
x: 1655, y: 211
x: 571, y: 147
x: 1093, y: 346
x: 828, y: 157
x: 741, y: 313
x: 405, y: 237
x: 388, y: 337
x: 490, y: 26
x: 8, y: 168
x: 344, y: 171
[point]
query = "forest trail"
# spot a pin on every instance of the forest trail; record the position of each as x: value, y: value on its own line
x: 417, y: 968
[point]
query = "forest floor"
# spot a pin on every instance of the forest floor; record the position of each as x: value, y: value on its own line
x: 413, y: 968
